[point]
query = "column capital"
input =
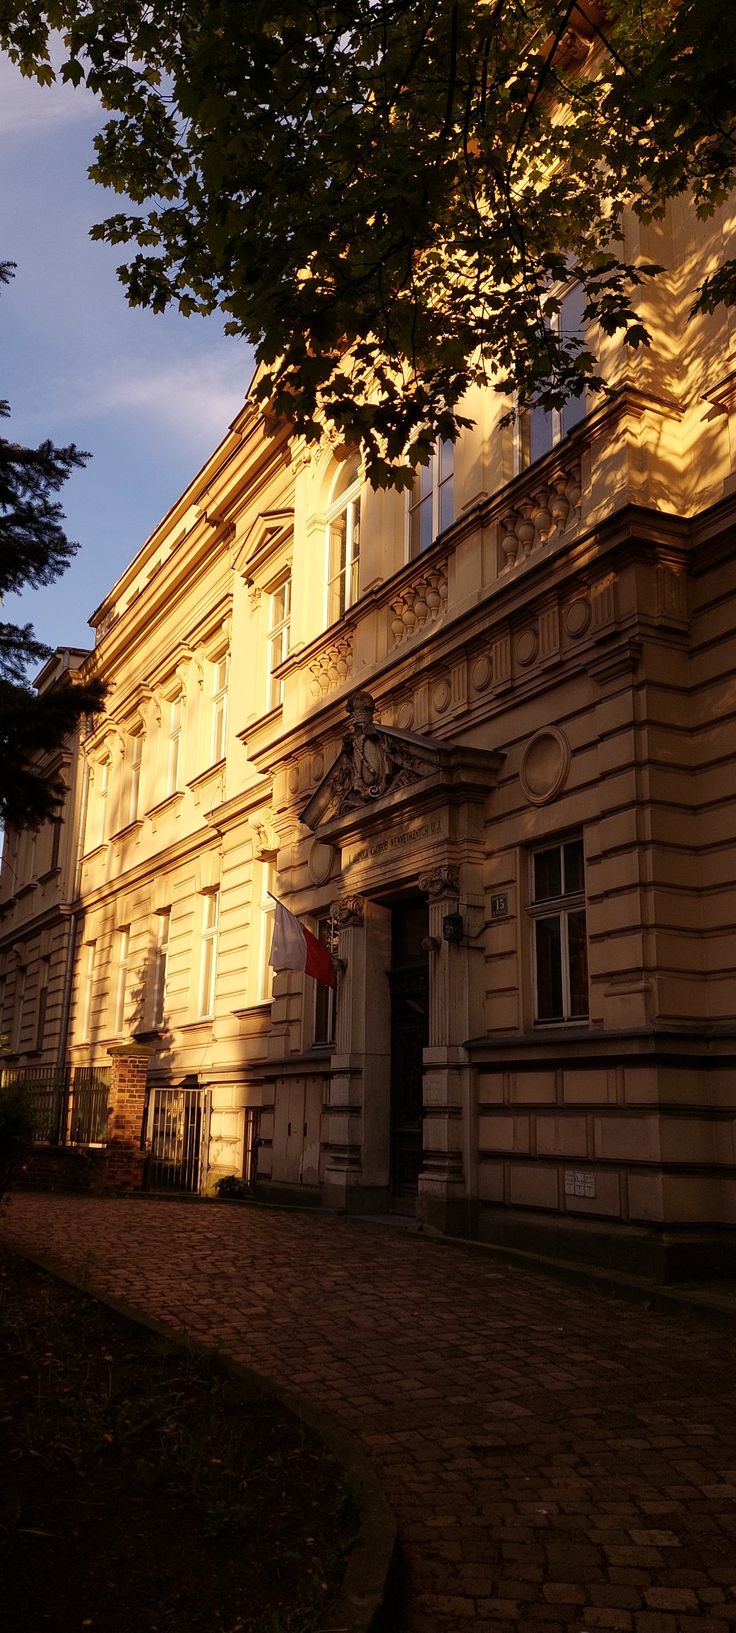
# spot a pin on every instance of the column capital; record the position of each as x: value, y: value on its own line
x: 346, y: 911
x: 442, y: 881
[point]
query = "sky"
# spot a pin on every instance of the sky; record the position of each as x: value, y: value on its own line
x: 149, y: 396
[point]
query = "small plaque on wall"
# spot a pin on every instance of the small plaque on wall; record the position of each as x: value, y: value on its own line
x: 499, y: 907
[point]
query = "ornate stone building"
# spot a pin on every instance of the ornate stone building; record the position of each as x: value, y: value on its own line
x: 483, y: 742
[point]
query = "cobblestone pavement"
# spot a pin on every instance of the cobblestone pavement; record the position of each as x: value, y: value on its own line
x: 558, y: 1459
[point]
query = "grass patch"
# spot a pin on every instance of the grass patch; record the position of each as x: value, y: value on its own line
x: 144, y: 1491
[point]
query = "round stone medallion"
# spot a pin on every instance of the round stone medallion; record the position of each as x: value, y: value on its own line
x: 576, y: 617
x: 545, y: 766
x: 527, y: 646
x: 480, y: 674
x: 441, y: 695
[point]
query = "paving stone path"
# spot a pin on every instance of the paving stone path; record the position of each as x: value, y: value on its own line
x: 558, y: 1460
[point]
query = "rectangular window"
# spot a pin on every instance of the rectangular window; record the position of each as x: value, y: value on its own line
x: 57, y: 824
x: 343, y: 533
x: 220, y: 677
x: 540, y: 429
x: 88, y: 990
x: 265, y: 917
x: 43, y: 994
x: 324, y: 997
x: 102, y: 785
x: 135, y: 759
x: 278, y: 640
x: 160, y: 966
x: 208, y: 955
x: 20, y: 1000
x: 432, y: 500
x: 559, y: 932
x: 176, y: 709
x: 121, y: 978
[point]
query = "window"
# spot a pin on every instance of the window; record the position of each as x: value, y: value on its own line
x: 20, y: 1000
x: 57, y: 824
x: 121, y: 982
x: 432, y: 500
x: 343, y: 541
x: 160, y: 966
x: 324, y: 997
x: 278, y: 639
x: 208, y: 956
x: 135, y: 758
x: 43, y: 994
x: 541, y: 428
x: 220, y: 677
x: 560, y: 942
x: 176, y: 710
x: 265, y: 916
x: 102, y: 783
x: 88, y: 990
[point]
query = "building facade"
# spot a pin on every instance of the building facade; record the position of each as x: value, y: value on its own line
x: 482, y: 742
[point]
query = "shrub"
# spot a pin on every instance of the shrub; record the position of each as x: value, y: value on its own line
x: 232, y: 1187
x: 17, y: 1127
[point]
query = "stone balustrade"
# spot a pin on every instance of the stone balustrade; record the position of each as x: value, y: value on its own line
x: 421, y: 601
x: 332, y: 665
x: 546, y: 511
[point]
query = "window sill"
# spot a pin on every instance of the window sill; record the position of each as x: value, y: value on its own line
x: 168, y: 803
x: 262, y: 1006
x: 196, y: 1026
x: 97, y: 850
x: 217, y: 766
x: 129, y: 829
x: 51, y: 873
x: 25, y: 890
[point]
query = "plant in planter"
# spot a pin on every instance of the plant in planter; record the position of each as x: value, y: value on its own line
x: 230, y: 1188
x: 17, y: 1128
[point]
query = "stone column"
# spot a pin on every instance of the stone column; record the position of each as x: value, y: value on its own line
x: 455, y: 985
x: 124, y: 1159
x: 357, y: 1168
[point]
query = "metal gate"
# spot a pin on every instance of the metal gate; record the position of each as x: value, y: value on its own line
x: 177, y: 1138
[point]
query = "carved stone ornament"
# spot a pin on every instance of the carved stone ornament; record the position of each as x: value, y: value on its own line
x: 265, y: 837
x: 371, y: 762
x: 346, y: 911
x: 443, y: 881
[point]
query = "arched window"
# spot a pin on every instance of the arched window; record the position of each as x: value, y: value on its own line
x: 343, y: 541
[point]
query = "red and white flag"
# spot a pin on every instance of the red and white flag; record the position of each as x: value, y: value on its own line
x: 293, y: 947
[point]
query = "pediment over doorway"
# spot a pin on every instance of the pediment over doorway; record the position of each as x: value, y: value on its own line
x: 380, y: 769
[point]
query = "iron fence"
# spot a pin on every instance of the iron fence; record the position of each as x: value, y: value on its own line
x: 177, y: 1138
x: 70, y: 1102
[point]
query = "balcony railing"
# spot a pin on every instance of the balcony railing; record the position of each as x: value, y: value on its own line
x: 70, y: 1102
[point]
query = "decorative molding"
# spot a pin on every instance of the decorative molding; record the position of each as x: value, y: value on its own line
x: 443, y: 881
x: 321, y: 860
x: 421, y: 601
x: 347, y: 911
x: 621, y: 659
x: 265, y: 837
x: 545, y: 766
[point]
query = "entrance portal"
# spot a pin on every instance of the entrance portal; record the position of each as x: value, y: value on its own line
x: 409, y: 987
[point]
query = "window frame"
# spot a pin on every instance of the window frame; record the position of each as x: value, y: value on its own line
x: 209, y: 934
x: 278, y: 640
x: 266, y: 912
x: 220, y: 666
x: 135, y: 763
x: 438, y: 483
x: 562, y: 907
x: 578, y: 406
x: 324, y: 997
x: 346, y: 503
x: 122, y: 956
x: 88, y: 992
x: 175, y: 728
x: 160, y: 967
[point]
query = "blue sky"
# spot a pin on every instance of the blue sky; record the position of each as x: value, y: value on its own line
x: 150, y: 397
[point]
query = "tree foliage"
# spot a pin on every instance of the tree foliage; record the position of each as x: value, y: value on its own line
x: 383, y: 195
x: 34, y: 550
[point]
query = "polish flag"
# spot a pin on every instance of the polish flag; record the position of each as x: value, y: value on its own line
x: 293, y: 947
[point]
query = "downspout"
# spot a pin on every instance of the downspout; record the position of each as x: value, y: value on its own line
x: 75, y: 918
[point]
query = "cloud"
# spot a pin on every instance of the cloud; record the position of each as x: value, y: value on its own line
x: 189, y: 398
x: 27, y: 108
